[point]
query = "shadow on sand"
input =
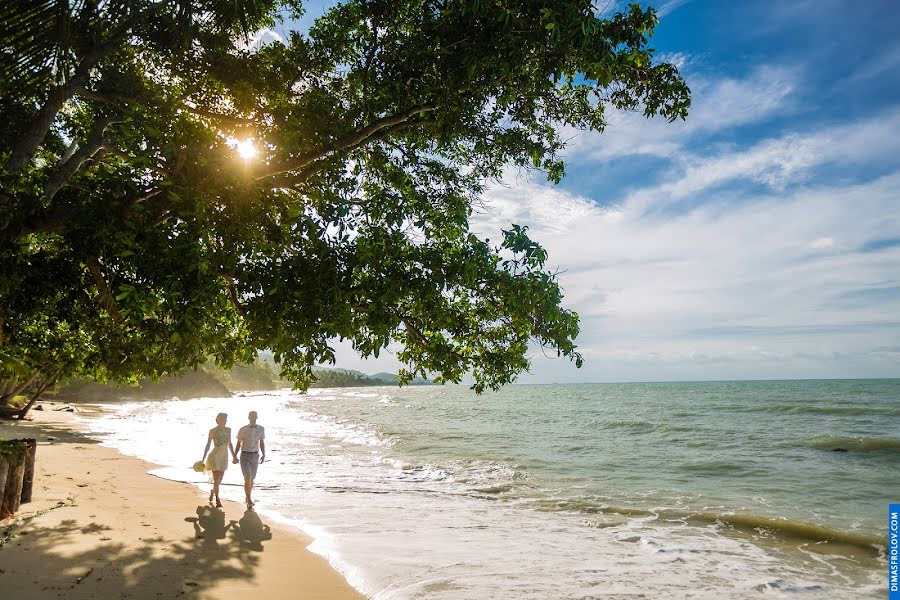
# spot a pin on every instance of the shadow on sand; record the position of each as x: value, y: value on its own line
x: 249, y: 533
x: 158, y: 569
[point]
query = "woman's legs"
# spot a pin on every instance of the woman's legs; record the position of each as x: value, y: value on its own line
x: 217, y: 479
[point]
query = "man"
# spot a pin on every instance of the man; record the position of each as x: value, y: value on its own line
x: 251, y: 442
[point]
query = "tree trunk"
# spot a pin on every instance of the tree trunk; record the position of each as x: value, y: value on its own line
x: 4, y: 471
x: 42, y: 121
x: 50, y: 380
x: 8, y: 385
x: 18, y: 390
x: 12, y: 495
x: 28, y: 477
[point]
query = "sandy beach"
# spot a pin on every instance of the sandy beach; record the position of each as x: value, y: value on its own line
x: 100, y: 527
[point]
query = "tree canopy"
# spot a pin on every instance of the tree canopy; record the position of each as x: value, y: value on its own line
x: 138, y: 237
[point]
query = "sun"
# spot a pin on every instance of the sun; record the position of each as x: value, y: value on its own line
x: 245, y: 148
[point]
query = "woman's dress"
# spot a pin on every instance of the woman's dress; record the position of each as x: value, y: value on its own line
x: 217, y: 460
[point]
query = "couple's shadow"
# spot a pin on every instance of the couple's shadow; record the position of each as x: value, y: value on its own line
x: 209, y: 525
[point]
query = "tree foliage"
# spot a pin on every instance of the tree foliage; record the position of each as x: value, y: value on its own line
x: 135, y: 240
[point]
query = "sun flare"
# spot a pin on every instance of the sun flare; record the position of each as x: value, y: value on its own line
x: 245, y: 148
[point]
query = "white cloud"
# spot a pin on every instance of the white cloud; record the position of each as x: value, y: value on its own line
x: 264, y: 36
x: 667, y: 297
x: 780, y: 162
x: 679, y: 59
x: 669, y: 6
x: 822, y: 243
x: 761, y: 290
x: 717, y: 104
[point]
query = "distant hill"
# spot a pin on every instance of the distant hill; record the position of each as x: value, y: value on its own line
x: 382, y: 378
x: 344, y: 378
x: 213, y: 381
x: 389, y: 377
x: 192, y: 384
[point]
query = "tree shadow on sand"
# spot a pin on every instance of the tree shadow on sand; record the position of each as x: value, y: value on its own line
x: 160, y: 569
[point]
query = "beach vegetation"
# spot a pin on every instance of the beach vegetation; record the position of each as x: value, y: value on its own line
x: 179, y: 182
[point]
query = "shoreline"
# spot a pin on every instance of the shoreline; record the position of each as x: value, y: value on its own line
x: 101, y: 526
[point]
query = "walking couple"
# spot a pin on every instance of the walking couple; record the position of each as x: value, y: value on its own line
x: 251, y: 443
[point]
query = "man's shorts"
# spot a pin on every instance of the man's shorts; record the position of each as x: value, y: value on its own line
x: 249, y: 464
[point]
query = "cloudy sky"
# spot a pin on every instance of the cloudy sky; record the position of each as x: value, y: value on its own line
x: 759, y: 239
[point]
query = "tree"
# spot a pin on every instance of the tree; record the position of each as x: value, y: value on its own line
x: 129, y: 218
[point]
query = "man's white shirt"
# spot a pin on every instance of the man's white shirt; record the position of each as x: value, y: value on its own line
x: 250, y: 436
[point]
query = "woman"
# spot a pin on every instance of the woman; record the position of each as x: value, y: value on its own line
x: 217, y: 461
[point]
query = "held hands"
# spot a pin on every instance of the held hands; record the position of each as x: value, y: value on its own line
x: 235, y: 461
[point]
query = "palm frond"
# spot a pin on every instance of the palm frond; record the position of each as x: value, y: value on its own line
x: 36, y: 43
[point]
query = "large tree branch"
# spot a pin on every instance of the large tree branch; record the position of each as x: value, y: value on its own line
x: 299, y: 177
x: 413, y: 330
x: 104, y: 297
x: 44, y: 118
x: 59, y: 95
x: 230, y: 283
x: 350, y: 141
x: 55, y: 219
x: 71, y: 165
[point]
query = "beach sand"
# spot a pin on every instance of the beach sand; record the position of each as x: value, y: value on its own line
x: 100, y: 527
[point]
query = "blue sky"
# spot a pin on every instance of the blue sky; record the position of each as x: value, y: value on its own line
x: 760, y: 239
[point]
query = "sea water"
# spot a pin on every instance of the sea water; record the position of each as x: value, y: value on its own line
x: 774, y: 489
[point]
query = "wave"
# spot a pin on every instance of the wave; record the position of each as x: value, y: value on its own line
x: 588, y: 507
x: 716, y: 468
x: 833, y: 410
x: 631, y: 425
x: 855, y: 444
x: 785, y: 530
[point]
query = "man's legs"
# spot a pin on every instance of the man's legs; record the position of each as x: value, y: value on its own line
x: 249, y: 462
x: 248, y: 487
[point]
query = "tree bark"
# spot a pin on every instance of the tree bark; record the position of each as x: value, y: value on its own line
x: 28, y: 477
x: 42, y: 121
x: 298, y: 177
x: 4, y: 475
x: 350, y: 141
x: 69, y: 167
x: 7, y: 386
x: 12, y: 495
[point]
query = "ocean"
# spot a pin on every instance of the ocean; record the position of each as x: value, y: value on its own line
x: 763, y: 489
